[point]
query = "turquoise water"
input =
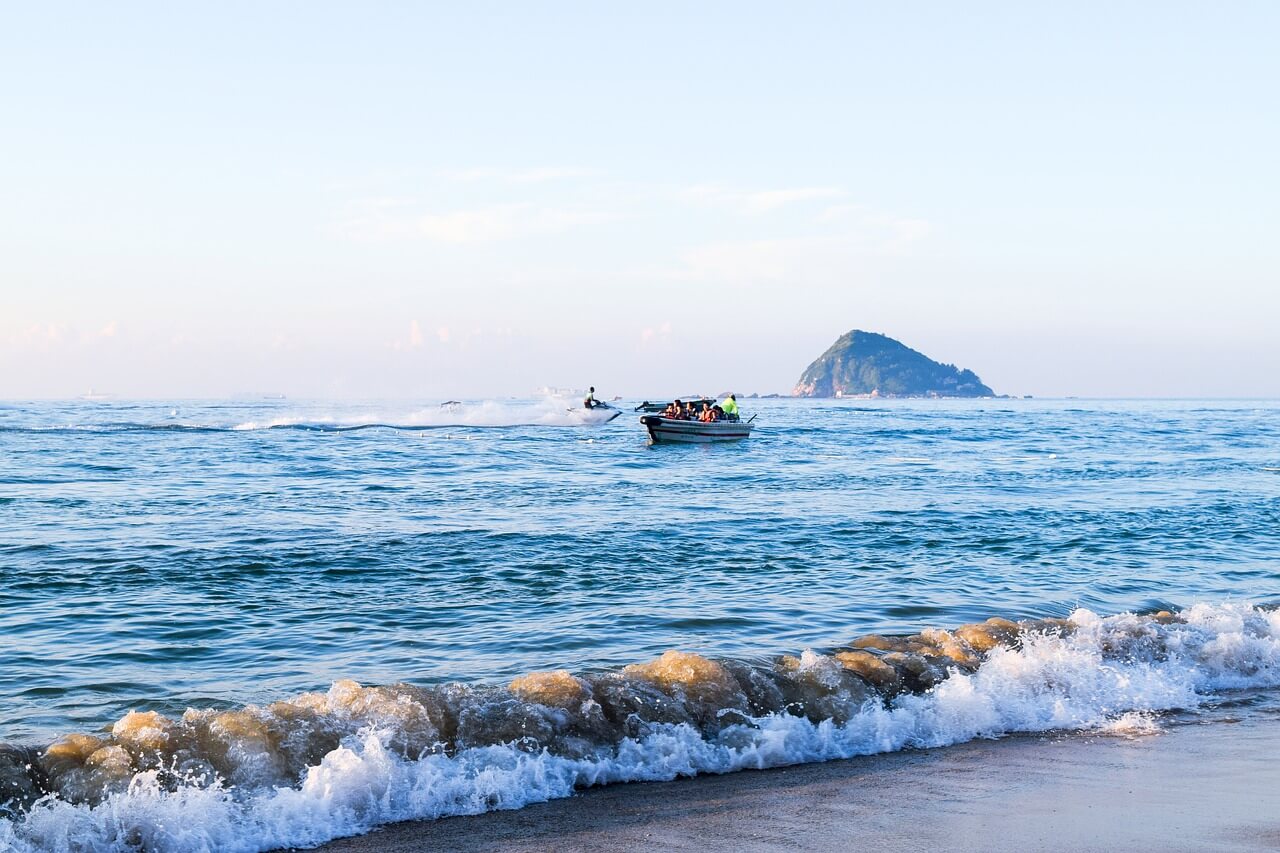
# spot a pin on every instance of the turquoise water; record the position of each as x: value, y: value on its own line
x: 175, y: 555
x: 167, y: 555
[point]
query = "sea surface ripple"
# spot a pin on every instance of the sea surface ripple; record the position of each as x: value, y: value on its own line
x: 160, y: 556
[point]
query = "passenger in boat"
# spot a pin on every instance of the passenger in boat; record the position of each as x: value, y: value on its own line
x: 730, y: 407
x: 689, y: 413
x: 673, y: 410
x: 711, y: 414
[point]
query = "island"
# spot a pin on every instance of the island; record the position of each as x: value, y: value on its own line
x: 868, y: 364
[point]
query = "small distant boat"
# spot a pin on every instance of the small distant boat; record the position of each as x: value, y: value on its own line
x: 694, y: 432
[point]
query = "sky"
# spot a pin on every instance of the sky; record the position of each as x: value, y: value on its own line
x: 438, y: 200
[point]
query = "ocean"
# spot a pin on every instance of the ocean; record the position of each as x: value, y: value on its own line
x: 251, y: 625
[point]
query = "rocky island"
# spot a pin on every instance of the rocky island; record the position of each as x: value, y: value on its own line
x: 868, y: 364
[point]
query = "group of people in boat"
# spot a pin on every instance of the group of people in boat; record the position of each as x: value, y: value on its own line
x: 727, y: 410
x: 706, y: 411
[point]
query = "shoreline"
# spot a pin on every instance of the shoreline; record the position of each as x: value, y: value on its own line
x: 1195, y: 786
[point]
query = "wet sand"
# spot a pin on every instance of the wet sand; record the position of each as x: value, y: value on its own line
x: 1211, y: 786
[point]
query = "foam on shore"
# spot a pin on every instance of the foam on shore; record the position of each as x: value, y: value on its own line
x: 320, y: 766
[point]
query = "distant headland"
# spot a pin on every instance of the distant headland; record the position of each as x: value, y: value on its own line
x: 868, y: 364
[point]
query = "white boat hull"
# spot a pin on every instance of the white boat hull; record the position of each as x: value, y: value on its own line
x: 666, y: 430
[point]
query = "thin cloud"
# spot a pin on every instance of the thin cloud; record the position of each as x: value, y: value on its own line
x: 757, y: 202
x: 47, y: 336
x: 505, y: 222
x: 763, y: 202
x: 41, y: 335
x: 518, y: 176
x: 375, y: 220
x: 413, y: 341
x: 651, y: 335
x: 861, y: 234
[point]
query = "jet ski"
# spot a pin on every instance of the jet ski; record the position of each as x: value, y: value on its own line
x: 600, y: 413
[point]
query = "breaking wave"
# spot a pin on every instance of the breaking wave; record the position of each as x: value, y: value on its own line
x: 323, y: 765
x: 551, y: 411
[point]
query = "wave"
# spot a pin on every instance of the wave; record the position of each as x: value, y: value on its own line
x: 324, y: 765
x: 111, y: 427
x: 551, y: 411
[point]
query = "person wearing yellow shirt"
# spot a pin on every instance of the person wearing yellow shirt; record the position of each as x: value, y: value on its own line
x: 730, y: 407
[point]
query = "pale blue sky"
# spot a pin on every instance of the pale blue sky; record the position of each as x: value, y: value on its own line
x: 470, y: 199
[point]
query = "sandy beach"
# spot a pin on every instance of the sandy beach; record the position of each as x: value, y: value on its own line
x: 1196, y: 786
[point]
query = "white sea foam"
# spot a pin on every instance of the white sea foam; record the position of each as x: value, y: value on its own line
x: 551, y: 411
x: 1107, y: 674
x: 1134, y: 724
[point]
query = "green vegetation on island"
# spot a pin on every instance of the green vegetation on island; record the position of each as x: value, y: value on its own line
x: 867, y: 364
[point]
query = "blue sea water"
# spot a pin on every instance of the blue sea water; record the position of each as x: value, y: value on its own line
x: 165, y: 556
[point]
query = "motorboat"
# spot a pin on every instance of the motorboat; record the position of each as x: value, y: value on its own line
x: 695, y: 432
x: 600, y: 413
